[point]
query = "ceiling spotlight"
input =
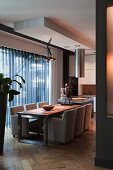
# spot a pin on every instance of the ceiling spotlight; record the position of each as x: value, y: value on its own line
x: 77, y: 45
x: 66, y: 46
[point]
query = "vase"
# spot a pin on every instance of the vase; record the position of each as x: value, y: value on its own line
x: 68, y: 92
x: 62, y: 92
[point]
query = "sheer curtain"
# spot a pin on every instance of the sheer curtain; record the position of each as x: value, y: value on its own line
x: 33, y: 68
x: 56, y: 76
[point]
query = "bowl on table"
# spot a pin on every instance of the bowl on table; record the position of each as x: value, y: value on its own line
x: 48, y: 107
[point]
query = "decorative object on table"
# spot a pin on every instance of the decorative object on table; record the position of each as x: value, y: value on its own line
x: 68, y: 92
x: 41, y: 104
x: 48, y: 107
x: 63, y: 93
x: 6, y: 91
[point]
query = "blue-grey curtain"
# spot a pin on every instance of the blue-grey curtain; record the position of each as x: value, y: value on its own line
x: 33, y: 68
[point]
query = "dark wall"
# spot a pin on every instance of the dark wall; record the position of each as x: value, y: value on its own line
x: 66, y: 79
x: 104, y: 123
x: 66, y: 54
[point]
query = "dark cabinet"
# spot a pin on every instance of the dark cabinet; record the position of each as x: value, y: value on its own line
x: 73, y: 81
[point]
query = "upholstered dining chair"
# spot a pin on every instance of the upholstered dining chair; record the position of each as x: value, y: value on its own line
x: 62, y: 130
x: 14, y: 121
x: 87, y: 118
x: 41, y: 104
x: 79, y: 121
x: 30, y: 106
x: 35, y: 124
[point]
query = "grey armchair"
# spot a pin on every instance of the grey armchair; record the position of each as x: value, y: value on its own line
x: 87, y: 118
x: 62, y: 130
x: 14, y: 121
x: 40, y: 105
x: 79, y: 121
x: 30, y: 106
x: 35, y: 124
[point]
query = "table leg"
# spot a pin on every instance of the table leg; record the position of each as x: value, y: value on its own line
x: 45, y: 124
x: 19, y: 127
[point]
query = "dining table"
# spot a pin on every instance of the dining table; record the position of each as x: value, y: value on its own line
x: 43, y: 114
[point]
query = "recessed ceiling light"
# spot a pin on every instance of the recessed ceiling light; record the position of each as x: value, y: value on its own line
x: 66, y: 46
x: 77, y: 45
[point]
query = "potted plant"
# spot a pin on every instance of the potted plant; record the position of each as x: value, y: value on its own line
x: 6, y: 91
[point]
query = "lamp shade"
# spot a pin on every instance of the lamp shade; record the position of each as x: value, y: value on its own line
x: 79, y: 62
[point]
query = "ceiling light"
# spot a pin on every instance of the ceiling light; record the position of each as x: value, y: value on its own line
x: 66, y: 46
x: 79, y: 62
x: 50, y: 57
x: 77, y: 45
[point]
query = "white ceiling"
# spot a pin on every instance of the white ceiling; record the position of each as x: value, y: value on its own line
x: 70, y: 23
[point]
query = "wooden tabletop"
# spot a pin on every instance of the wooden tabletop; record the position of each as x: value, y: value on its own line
x: 42, y: 112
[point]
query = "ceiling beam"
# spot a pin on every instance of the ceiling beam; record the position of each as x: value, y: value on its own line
x: 42, y: 22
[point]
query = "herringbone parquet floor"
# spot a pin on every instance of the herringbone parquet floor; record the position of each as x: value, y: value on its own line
x: 32, y: 155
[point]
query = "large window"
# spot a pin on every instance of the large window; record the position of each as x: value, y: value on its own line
x: 33, y: 68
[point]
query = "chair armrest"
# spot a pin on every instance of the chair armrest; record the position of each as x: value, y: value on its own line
x: 56, y: 121
x: 14, y: 118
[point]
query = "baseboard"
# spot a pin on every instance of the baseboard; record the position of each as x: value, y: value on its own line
x: 104, y: 163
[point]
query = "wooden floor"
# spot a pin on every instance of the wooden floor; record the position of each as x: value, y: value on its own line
x: 32, y: 155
